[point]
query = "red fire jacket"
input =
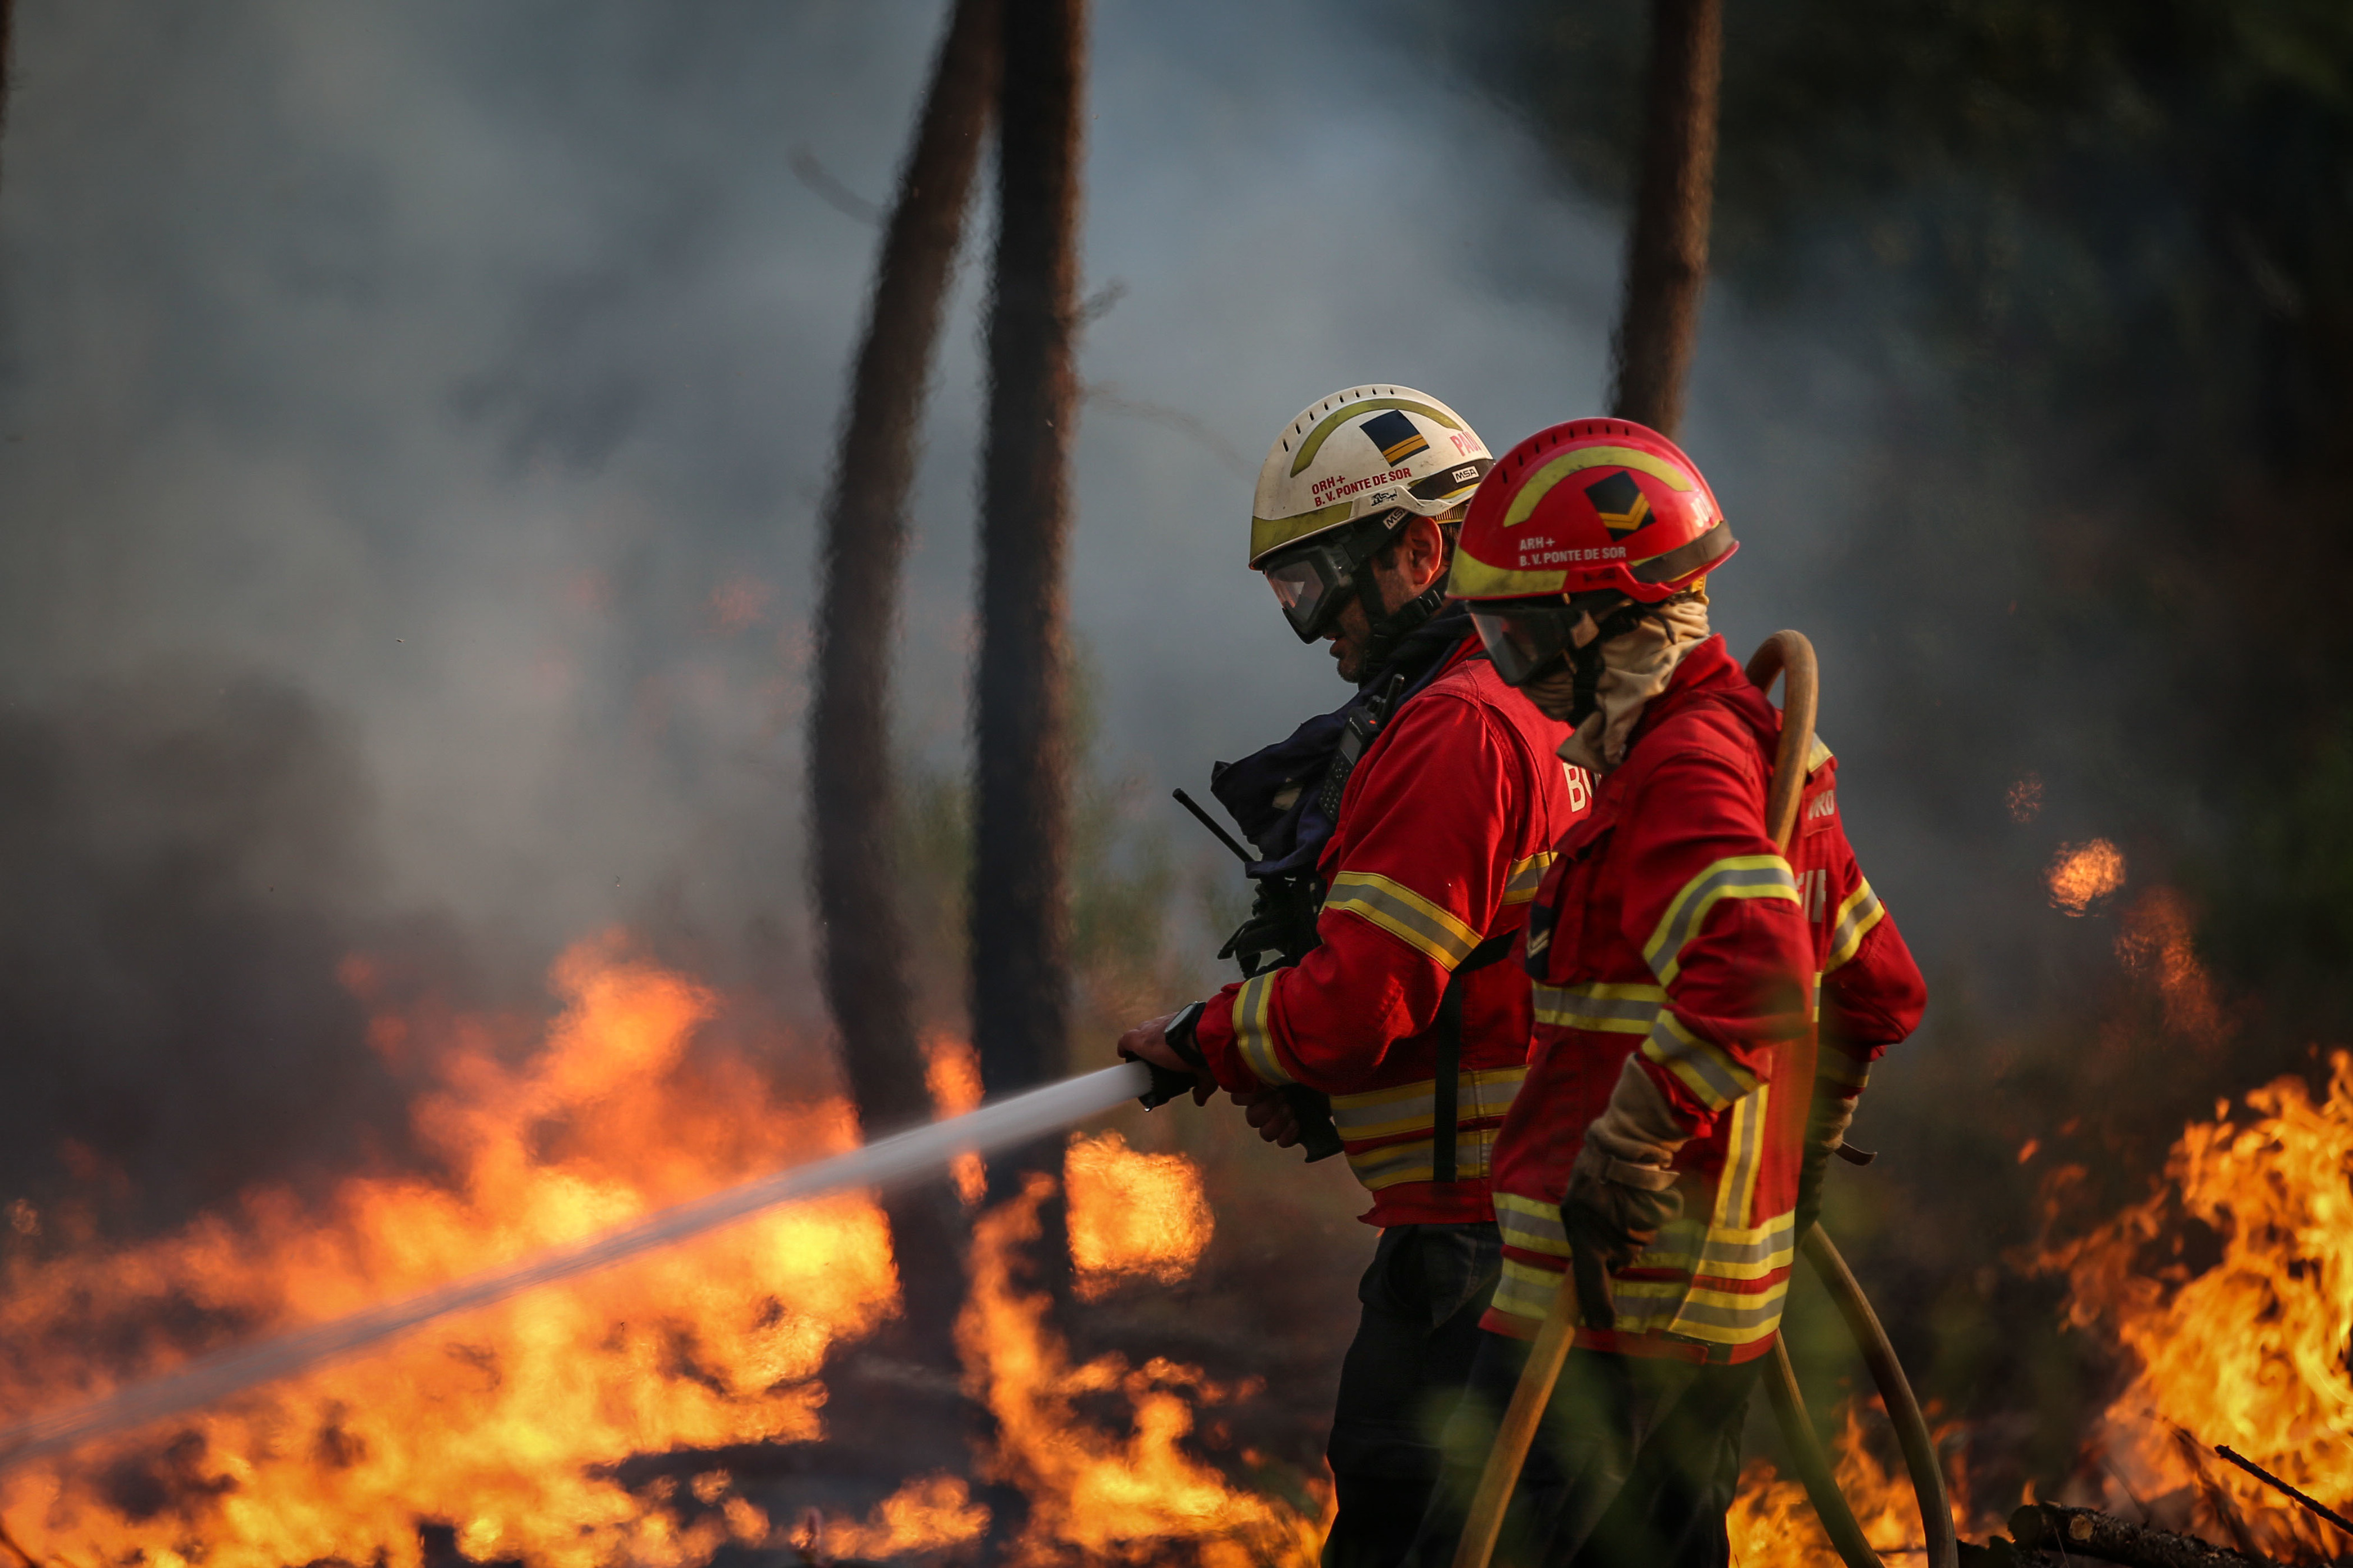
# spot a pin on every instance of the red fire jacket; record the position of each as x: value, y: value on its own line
x: 1668, y: 927
x: 1444, y: 830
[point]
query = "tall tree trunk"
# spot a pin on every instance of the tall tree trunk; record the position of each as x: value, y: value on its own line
x: 1666, y: 256
x: 852, y: 790
x: 1019, y: 920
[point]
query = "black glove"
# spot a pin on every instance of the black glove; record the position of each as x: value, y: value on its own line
x: 1278, y: 930
x: 1618, y: 1219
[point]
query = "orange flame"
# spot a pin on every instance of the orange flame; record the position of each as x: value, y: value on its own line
x: 2249, y: 1352
x: 506, y: 1422
x: 951, y: 1073
x: 498, y: 1420
x: 1132, y: 1215
x: 1115, y: 1498
x: 1772, y: 1524
x: 2083, y: 873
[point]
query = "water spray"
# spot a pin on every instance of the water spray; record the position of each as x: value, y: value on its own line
x: 887, y: 1162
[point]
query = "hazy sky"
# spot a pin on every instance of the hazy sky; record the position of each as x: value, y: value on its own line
x: 475, y: 370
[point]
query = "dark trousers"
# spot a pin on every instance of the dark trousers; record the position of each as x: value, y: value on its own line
x: 1423, y: 1297
x: 1635, y: 1462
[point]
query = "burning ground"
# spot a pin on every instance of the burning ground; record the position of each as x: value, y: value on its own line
x: 517, y: 1428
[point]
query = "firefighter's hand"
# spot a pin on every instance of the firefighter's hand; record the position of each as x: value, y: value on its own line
x: 1148, y: 1041
x: 1826, y: 1127
x: 1613, y: 1210
x: 1269, y: 1110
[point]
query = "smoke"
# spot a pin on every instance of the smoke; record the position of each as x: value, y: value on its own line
x: 187, y: 866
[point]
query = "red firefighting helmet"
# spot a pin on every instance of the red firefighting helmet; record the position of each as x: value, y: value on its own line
x: 1573, y: 521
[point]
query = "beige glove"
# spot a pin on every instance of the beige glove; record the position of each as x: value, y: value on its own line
x: 1622, y: 1188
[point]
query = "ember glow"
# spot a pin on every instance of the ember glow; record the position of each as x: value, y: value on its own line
x: 505, y: 1423
x: 2084, y: 873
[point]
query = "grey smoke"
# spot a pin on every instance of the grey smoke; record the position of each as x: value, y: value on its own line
x: 466, y: 377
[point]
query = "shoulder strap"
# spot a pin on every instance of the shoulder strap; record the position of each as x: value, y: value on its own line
x: 1447, y: 1100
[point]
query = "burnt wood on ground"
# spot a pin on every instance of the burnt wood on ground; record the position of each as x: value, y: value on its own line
x: 2047, y: 1532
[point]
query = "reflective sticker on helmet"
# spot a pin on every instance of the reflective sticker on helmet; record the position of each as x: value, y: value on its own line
x: 1620, y: 502
x: 1396, y: 436
x: 1540, y: 484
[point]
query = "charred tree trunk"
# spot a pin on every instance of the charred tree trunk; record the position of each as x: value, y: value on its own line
x: 852, y: 786
x: 1019, y: 934
x: 1666, y: 255
x: 1019, y: 917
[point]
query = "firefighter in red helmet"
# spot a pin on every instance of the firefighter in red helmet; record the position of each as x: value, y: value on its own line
x: 1707, y: 1008
x: 1400, y: 840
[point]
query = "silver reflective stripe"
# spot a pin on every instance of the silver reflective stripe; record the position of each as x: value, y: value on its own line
x: 1735, y: 1188
x: 1254, y: 1028
x: 1393, y: 1164
x: 1706, y: 1070
x: 1740, y: 877
x: 1605, y: 1008
x: 1860, y: 912
x: 1404, y: 914
x: 1478, y: 1093
x: 1526, y: 877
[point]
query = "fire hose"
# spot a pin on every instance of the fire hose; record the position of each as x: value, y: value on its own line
x: 884, y: 1162
x: 1788, y: 654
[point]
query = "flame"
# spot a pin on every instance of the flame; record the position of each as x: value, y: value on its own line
x: 1132, y: 1215
x: 2081, y: 873
x: 505, y: 1424
x: 499, y: 1422
x: 951, y: 1073
x: 2249, y: 1352
x: 1772, y: 1523
x: 1114, y: 1496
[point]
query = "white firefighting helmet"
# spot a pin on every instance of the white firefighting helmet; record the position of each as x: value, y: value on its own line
x: 1364, y: 452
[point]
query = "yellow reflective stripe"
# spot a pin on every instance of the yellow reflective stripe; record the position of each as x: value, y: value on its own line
x: 1526, y: 1290
x: 1835, y: 1067
x: 1860, y: 912
x: 1531, y: 1225
x: 1404, y: 914
x: 1478, y: 1093
x: 1656, y: 1306
x: 1539, y: 484
x: 1393, y: 1164
x: 1521, y: 885
x: 1269, y: 534
x: 1738, y: 877
x: 1735, y: 1188
x: 1254, y: 1028
x: 1816, y: 755
x: 1706, y: 1070
x: 1346, y: 410
x: 1610, y: 1009
x: 1732, y: 1317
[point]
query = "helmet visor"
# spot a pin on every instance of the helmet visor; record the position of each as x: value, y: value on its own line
x: 1527, y: 640
x: 1312, y: 585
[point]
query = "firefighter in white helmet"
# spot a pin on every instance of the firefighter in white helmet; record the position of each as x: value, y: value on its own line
x: 1400, y: 840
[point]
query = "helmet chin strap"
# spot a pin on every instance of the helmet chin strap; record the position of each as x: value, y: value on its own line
x: 1392, y: 629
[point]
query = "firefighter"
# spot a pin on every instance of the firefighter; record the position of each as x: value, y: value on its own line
x: 1401, y: 838
x: 1707, y: 1008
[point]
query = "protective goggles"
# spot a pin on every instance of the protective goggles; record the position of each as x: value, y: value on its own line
x: 1527, y: 639
x: 1314, y: 581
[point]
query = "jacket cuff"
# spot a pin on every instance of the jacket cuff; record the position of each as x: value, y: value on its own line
x: 1213, y: 1037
